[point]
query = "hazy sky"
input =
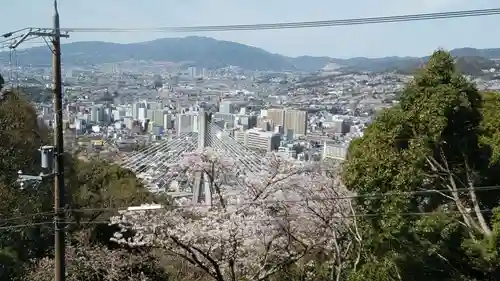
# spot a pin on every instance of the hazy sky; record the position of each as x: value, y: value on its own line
x: 393, y: 39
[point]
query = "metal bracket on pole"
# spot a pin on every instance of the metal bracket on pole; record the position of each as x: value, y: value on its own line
x: 35, y: 33
x: 21, y: 40
x: 47, y: 163
x: 22, y: 179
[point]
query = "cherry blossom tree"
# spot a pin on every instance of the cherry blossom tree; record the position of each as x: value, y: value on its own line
x: 91, y: 262
x: 256, y: 224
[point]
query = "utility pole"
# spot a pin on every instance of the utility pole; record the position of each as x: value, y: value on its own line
x: 52, y: 156
x: 59, y: 194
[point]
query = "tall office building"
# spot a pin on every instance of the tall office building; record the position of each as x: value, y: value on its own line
x: 97, y: 114
x: 265, y: 124
x: 248, y: 121
x: 277, y: 115
x: 258, y: 139
x: 187, y: 123
x: 156, y: 116
x: 226, y: 107
x: 262, y: 140
x: 142, y: 114
x: 135, y: 109
x: 119, y: 113
x: 168, y: 121
x: 296, y: 120
x: 155, y: 105
x: 191, y: 71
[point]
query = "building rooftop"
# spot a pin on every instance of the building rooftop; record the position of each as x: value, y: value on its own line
x: 261, y: 132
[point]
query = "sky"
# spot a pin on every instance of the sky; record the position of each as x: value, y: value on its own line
x: 391, y: 39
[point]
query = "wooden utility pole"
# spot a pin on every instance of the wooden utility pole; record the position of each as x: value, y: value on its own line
x: 59, y: 194
x: 57, y: 151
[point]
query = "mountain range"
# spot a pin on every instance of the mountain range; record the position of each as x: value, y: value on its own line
x: 211, y: 53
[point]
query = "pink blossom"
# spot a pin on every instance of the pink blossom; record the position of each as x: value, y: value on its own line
x: 256, y: 224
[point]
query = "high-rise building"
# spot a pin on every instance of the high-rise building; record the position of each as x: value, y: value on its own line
x: 156, y: 116
x: 129, y: 123
x: 277, y: 115
x: 135, y: 109
x: 97, y: 114
x: 168, y: 121
x: 248, y: 121
x: 142, y: 114
x: 187, y: 123
x: 119, y: 114
x: 265, y: 124
x: 262, y: 140
x: 226, y: 107
x: 296, y: 120
x: 192, y: 71
x: 258, y: 139
x: 155, y: 105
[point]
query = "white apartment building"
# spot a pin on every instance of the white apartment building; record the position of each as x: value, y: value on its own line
x: 335, y: 151
x: 258, y: 139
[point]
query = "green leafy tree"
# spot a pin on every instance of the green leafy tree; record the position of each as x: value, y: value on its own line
x: 26, y: 213
x: 490, y: 135
x: 430, y: 141
x: 20, y: 137
x: 103, y: 188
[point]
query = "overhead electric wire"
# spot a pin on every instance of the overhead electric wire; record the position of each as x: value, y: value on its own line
x: 10, y: 34
x: 27, y: 225
x: 325, y: 199
x: 311, y: 199
x: 303, y: 24
x: 367, y: 196
x: 278, y: 218
x: 9, y: 40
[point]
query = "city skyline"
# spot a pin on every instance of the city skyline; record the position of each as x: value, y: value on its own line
x: 399, y: 39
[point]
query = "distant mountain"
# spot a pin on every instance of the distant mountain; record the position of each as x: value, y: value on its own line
x: 211, y: 53
x: 201, y: 51
x: 469, y: 61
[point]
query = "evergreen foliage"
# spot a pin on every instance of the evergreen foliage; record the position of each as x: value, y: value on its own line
x: 440, y: 137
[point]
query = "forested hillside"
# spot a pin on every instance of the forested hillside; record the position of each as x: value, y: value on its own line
x: 211, y: 53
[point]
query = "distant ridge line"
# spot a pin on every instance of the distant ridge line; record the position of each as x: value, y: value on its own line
x: 211, y: 53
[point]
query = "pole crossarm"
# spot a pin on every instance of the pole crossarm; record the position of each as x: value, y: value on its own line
x: 13, y: 40
x: 16, y: 38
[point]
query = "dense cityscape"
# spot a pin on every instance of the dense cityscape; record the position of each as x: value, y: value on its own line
x: 116, y: 108
x: 152, y: 162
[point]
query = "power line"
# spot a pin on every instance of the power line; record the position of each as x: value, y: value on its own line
x: 27, y: 216
x: 43, y: 223
x: 312, y: 199
x: 304, y: 24
x: 319, y: 199
x: 276, y: 218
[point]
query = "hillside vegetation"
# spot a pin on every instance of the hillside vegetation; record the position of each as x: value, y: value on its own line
x: 26, y: 222
x: 442, y: 137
